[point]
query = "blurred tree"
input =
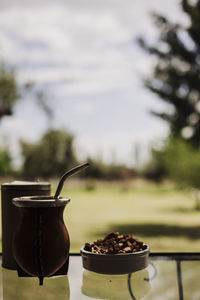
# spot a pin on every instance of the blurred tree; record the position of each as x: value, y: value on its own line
x: 5, y: 163
x: 155, y: 169
x: 51, y: 156
x: 182, y: 162
x: 9, y: 94
x: 42, y: 99
x: 176, y: 76
x: 101, y: 170
x: 8, y: 91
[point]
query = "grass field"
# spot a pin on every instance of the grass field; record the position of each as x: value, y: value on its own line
x: 160, y: 215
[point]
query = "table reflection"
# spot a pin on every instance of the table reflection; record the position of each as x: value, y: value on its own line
x: 162, y: 279
x: 22, y: 288
x: 110, y: 287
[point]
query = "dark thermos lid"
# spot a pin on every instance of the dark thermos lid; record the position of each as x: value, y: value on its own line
x: 25, y: 185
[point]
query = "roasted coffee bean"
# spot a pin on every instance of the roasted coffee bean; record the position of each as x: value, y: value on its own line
x: 129, y: 244
x: 111, y: 235
x: 140, y: 243
x: 120, y: 236
x: 98, y: 242
x: 121, y: 245
x: 127, y: 249
x: 122, y: 240
x: 88, y: 247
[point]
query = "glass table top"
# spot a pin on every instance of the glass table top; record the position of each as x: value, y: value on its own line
x: 168, y: 277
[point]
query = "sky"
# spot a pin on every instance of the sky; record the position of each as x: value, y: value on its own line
x: 84, y: 56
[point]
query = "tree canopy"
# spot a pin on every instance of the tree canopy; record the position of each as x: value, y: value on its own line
x: 52, y: 155
x: 8, y: 91
x: 176, y: 75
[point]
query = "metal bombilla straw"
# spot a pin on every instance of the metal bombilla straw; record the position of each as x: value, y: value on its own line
x: 66, y: 175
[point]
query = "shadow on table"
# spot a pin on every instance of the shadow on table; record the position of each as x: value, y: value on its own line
x: 154, y: 230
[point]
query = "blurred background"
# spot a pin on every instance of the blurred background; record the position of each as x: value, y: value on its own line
x: 114, y: 83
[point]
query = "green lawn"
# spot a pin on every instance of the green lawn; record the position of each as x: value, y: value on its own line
x: 160, y: 215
